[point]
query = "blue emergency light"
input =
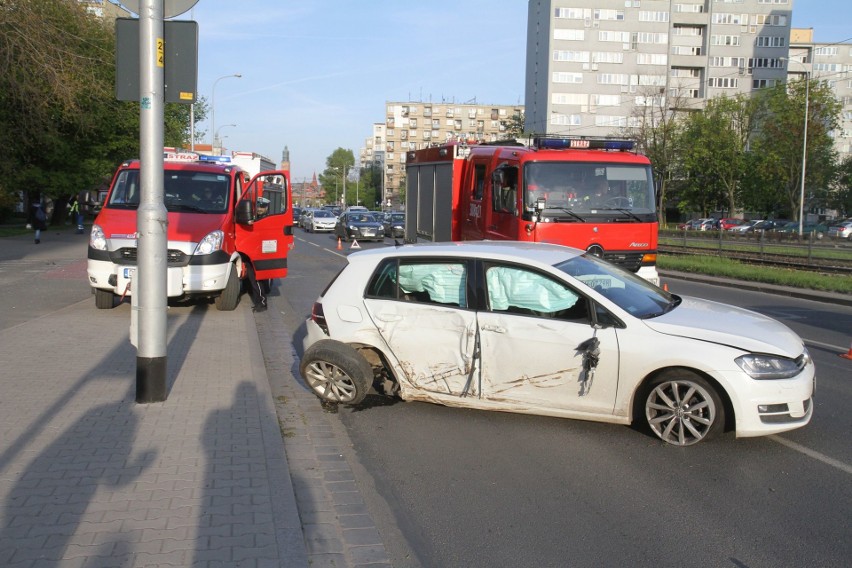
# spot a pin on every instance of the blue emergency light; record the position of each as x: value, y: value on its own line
x: 582, y: 144
x: 216, y: 159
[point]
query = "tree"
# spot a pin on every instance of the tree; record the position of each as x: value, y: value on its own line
x: 333, y: 176
x: 654, y: 127
x: 515, y: 125
x: 61, y: 127
x: 713, y: 144
x: 840, y: 198
x: 777, y: 150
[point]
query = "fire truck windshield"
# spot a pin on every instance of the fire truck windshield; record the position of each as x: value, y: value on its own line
x: 573, y: 191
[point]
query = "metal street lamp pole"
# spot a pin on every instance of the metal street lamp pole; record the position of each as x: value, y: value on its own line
x: 216, y: 137
x: 213, y: 105
x: 804, y: 143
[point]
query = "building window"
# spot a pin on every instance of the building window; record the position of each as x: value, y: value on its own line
x: 565, y: 77
x: 577, y: 56
x: 723, y: 82
x: 569, y: 35
x: 724, y: 40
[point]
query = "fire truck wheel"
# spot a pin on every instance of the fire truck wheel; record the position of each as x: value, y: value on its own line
x: 104, y: 299
x: 230, y: 296
x: 336, y: 372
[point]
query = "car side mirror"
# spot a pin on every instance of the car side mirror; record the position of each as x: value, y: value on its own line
x: 243, y: 213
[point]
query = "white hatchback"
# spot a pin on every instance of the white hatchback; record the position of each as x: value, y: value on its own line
x: 550, y: 330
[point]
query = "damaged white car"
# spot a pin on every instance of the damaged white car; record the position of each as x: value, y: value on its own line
x: 551, y: 330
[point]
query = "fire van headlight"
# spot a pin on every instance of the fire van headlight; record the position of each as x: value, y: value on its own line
x: 767, y: 367
x: 210, y: 244
x: 97, y: 239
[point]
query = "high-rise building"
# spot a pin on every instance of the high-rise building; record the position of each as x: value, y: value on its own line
x: 413, y: 125
x: 591, y: 63
x: 832, y: 63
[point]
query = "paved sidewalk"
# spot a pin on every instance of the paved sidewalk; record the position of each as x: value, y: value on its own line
x: 90, y: 478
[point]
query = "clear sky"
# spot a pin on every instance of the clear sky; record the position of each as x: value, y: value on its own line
x: 316, y: 73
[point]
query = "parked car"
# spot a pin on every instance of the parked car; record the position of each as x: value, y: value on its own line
x: 698, y: 225
x: 728, y: 223
x: 818, y: 230
x: 394, y: 224
x: 746, y: 227
x: 544, y: 329
x: 841, y: 230
x: 320, y: 220
x: 359, y: 225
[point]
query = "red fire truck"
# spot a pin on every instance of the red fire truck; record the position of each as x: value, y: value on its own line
x: 218, y: 222
x: 592, y: 194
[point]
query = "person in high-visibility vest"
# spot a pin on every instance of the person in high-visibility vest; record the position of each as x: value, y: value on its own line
x: 76, y: 214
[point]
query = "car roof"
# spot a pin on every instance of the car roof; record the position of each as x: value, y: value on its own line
x: 497, y: 250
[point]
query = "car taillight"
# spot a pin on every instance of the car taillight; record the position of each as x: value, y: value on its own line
x: 318, y: 316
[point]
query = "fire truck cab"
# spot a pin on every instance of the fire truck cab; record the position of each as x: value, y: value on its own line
x: 219, y: 221
x: 592, y: 194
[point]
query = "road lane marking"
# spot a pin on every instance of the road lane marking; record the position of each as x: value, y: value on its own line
x: 812, y: 453
x: 826, y: 345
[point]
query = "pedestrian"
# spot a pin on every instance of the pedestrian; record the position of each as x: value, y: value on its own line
x: 39, y: 221
x: 255, y: 289
x: 76, y: 214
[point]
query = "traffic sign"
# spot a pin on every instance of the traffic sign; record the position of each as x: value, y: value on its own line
x: 171, y: 8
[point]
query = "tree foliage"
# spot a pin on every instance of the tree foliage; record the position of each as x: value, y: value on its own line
x: 60, y: 123
x: 714, y: 160
x: 656, y: 129
x: 777, y: 148
x: 332, y: 178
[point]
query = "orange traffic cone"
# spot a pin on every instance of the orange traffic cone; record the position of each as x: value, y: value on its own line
x: 666, y: 287
x: 355, y: 244
x: 848, y: 354
x: 339, y: 245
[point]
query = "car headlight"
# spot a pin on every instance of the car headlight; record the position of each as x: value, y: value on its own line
x: 767, y: 367
x: 97, y: 239
x: 353, y: 228
x: 211, y: 243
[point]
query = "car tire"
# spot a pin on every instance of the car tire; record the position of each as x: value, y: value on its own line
x: 228, y: 298
x: 104, y: 299
x: 336, y: 372
x: 682, y: 408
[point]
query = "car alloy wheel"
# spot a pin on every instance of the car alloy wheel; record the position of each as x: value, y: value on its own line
x: 682, y: 409
x: 336, y: 372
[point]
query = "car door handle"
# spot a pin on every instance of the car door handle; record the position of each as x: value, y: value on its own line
x: 494, y: 328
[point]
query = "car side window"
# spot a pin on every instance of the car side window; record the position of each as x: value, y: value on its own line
x: 518, y: 290
x: 431, y: 282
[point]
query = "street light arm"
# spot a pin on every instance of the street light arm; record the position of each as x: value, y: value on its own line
x: 213, y: 104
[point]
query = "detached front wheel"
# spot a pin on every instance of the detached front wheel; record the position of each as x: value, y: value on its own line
x: 336, y: 372
x: 682, y: 408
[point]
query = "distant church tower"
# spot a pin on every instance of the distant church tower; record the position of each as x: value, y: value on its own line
x: 285, y: 159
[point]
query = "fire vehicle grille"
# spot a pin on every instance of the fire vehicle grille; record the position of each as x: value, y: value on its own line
x: 127, y: 256
x: 631, y: 261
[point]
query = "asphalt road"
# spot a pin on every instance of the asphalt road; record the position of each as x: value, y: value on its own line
x: 454, y: 487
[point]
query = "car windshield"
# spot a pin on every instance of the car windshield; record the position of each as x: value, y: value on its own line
x: 630, y: 292
x: 184, y: 190
x: 322, y: 213
x: 362, y: 218
x: 398, y: 217
x: 577, y: 191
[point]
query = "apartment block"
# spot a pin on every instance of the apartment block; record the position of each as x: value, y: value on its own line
x: 592, y: 63
x: 832, y: 63
x: 413, y: 125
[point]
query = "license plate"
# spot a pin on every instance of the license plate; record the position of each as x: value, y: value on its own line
x: 128, y: 273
